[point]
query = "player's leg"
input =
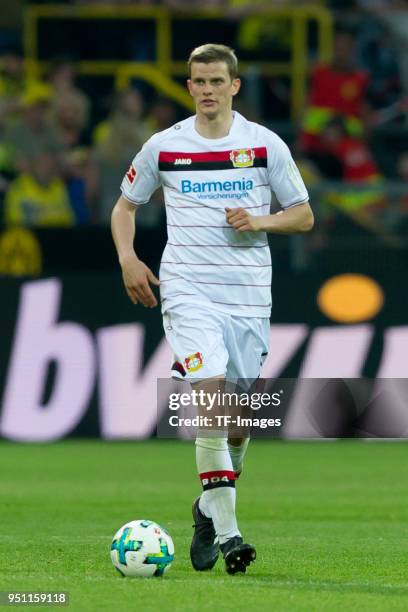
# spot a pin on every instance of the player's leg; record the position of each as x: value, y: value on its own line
x: 196, y: 337
x: 237, y: 448
x: 214, y: 463
x: 219, y: 497
x: 218, y: 480
x: 247, y: 344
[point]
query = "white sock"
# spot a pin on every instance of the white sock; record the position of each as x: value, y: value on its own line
x: 237, y: 454
x: 218, y: 501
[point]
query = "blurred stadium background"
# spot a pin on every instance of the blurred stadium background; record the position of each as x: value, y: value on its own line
x: 82, y: 85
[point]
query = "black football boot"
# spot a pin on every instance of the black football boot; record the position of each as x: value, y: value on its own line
x: 204, y: 550
x: 237, y: 555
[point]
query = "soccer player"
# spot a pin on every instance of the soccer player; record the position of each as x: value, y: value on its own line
x: 217, y: 171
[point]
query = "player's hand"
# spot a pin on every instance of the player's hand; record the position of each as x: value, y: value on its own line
x: 137, y: 278
x: 241, y: 220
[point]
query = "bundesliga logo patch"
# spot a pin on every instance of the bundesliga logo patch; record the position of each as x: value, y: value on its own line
x: 242, y: 158
x: 131, y: 174
x: 193, y: 362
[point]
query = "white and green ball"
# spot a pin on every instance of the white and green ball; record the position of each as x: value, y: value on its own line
x: 142, y: 548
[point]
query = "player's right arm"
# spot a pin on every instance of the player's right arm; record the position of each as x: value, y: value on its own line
x: 137, y: 277
x: 138, y: 184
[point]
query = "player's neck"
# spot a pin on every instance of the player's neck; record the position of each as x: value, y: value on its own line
x: 217, y: 127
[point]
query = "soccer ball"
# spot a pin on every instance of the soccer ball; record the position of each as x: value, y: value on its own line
x: 142, y: 548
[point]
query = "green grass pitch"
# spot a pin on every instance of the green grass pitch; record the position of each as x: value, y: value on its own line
x: 330, y: 522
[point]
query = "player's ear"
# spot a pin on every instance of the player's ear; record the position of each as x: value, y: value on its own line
x: 189, y: 86
x: 236, y: 86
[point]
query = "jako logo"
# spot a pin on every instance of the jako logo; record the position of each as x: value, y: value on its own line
x: 185, y: 161
x: 188, y: 186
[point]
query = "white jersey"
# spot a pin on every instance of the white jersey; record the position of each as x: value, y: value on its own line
x: 205, y: 259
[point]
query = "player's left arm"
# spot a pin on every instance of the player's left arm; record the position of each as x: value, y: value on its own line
x: 293, y: 220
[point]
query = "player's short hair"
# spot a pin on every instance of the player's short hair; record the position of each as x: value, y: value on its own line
x: 206, y: 54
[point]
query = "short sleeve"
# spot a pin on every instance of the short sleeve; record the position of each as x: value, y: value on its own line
x: 142, y: 178
x: 284, y: 177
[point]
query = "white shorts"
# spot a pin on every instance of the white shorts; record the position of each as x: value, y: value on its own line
x: 208, y: 343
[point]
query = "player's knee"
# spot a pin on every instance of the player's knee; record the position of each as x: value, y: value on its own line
x: 237, y: 441
x: 217, y: 444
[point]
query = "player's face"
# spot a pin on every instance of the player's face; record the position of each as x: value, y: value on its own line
x: 212, y: 88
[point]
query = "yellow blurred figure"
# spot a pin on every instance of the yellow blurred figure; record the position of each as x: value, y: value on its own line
x: 39, y: 198
x: 258, y: 31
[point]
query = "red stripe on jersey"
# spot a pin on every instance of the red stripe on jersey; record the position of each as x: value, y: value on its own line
x: 170, y: 157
